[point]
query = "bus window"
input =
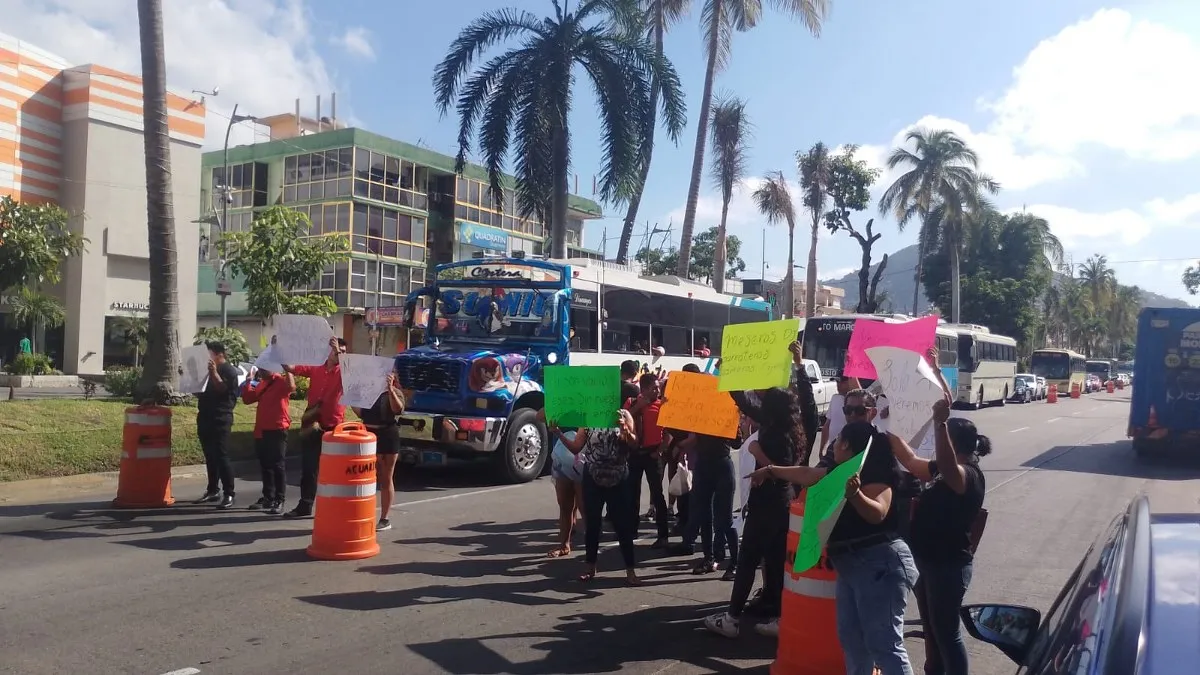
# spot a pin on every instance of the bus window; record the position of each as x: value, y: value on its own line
x: 674, y: 341
x: 707, y: 343
x: 583, y: 330
x: 966, y: 360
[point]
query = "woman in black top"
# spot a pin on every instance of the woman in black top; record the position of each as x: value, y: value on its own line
x: 380, y: 419
x: 941, y: 532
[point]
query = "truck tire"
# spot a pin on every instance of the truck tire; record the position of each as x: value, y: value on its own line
x: 524, y: 451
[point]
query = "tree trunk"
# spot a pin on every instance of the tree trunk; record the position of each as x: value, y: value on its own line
x: 710, y: 73
x: 917, y: 270
x: 864, y: 278
x: 162, y: 365
x: 874, y: 291
x: 810, y: 295
x: 561, y: 158
x: 789, y: 277
x: 635, y: 200
x: 718, y: 278
x: 955, y: 284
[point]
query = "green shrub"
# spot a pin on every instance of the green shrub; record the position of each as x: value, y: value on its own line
x: 120, y: 382
x: 30, y: 364
x: 301, y: 392
x: 237, y: 350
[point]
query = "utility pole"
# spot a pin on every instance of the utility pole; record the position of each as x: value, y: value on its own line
x: 223, y: 286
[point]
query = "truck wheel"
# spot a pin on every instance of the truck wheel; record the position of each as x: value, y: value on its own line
x: 523, y: 452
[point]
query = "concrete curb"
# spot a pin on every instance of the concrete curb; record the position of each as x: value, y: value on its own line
x: 36, y: 490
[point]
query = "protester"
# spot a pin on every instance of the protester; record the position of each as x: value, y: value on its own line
x: 646, y: 459
x: 875, y: 568
x: 605, y: 483
x: 945, y: 528
x: 629, y: 381
x: 272, y: 392
x: 566, y: 472
x: 764, y: 536
x: 380, y: 419
x: 710, y: 503
x: 324, y: 412
x: 836, y: 419
x: 214, y: 422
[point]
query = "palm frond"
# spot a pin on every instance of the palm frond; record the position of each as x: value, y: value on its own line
x: 811, y: 13
x: 729, y: 132
x: 479, y: 35
x: 475, y: 95
x: 774, y: 199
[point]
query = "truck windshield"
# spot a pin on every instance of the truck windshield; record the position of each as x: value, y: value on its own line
x: 495, y: 314
x: 1051, y: 365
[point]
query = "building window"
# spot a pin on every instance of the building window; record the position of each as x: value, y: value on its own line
x: 366, y: 283
x: 318, y: 175
x: 388, y: 233
x: 391, y: 180
x: 247, y: 185
x: 475, y: 204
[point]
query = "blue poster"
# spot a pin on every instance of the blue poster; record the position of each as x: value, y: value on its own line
x: 482, y: 236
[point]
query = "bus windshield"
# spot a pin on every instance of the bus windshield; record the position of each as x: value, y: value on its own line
x: 826, y: 341
x: 1051, y: 365
x: 495, y: 314
x: 1100, y: 368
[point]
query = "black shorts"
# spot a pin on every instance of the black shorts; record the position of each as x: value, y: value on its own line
x: 387, y: 440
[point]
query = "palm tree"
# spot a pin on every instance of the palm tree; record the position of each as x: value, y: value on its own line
x: 730, y: 132
x: 949, y: 224
x: 942, y: 169
x: 1038, y: 229
x: 135, y: 330
x: 660, y: 16
x: 774, y: 200
x: 1099, y: 279
x: 37, y: 312
x: 1123, y: 311
x: 720, y: 18
x: 815, y: 174
x: 162, y: 363
x: 523, y: 97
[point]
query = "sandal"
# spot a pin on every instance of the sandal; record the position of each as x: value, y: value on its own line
x: 631, y: 579
x: 560, y: 552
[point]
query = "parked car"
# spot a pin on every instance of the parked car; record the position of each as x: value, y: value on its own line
x: 1043, y: 387
x: 1024, y: 389
x: 1130, y: 607
x: 1093, y: 384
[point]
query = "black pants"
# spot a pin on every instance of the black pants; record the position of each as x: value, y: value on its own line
x: 214, y: 442
x: 616, y: 498
x: 710, y: 509
x: 902, y: 502
x: 764, y: 541
x: 310, y: 465
x: 271, y: 449
x: 940, y: 589
x: 644, y: 463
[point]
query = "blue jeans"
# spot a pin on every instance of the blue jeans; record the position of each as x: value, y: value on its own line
x: 710, y: 509
x: 939, y: 594
x: 873, y: 584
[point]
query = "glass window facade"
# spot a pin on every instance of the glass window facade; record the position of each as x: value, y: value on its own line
x: 247, y: 184
x: 474, y: 203
x: 390, y: 180
x: 355, y: 283
x: 316, y: 176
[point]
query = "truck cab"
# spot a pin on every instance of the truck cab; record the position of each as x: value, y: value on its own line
x: 1164, y: 413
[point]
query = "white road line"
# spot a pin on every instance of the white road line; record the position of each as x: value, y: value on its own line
x: 1016, y: 430
x: 456, y: 496
x: 1053, y: 420
x: 184, y: 671
x: 1076, y: 412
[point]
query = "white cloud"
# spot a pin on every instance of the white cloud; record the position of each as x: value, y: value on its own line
x: 1123, y: 227
x: 261, y: 53
x: 357, y: 41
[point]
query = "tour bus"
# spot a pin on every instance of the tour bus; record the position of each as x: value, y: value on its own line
x: 987, y: 365
x: 494, y: 322
x: 1102, y: 367
x: 1061, y: 367
x: 827, y: 339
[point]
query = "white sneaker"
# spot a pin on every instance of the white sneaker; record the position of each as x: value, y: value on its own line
x: 722, y: 624
x: 768, y: 629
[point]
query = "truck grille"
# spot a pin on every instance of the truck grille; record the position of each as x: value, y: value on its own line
x: 429, y: 374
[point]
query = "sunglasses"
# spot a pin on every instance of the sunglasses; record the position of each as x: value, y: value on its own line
x: 852, y: 410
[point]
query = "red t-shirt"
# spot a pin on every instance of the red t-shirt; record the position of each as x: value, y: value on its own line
x: 325, y: 387
x: 650, y: 435
x: 272, y: 396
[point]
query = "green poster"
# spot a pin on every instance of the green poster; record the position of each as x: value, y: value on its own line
x: 756, y: 356
x: 823, y: 504
x: 582, y: 396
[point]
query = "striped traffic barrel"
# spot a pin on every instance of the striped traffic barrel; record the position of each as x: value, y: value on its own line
x: 808, y: 641
x: 344, y: 520
x: 144, y: 480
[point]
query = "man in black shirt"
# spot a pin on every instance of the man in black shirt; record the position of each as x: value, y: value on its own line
x: 629, y: 382
x: 214, y: 421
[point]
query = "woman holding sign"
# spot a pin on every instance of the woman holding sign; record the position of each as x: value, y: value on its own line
x: 605, y: 453
x: 380, y: 419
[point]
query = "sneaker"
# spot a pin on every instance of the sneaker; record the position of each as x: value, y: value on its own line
x: 706, y: 566
x: 226, y: 502
x: 722, y: 624
x: 768, y: 628
x: 302, y: 510
x: 384, y: 525
x: 209, y: 497
x: 730, y: 573
x: 276, y: 508
x: 262, y: 503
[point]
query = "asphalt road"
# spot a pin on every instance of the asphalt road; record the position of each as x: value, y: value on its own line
x: 462, y: 584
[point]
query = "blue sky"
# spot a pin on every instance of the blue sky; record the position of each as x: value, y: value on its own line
x: 1082, y: 108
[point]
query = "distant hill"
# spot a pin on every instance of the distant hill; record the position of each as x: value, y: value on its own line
x: 897, y: 282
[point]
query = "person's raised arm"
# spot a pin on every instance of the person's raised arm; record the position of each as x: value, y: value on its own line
x: 251, y: 393
x: 908, y: 459
x: 291, y: 382
x: 396, y: 399
x: 951, y: 471
x: 932, y: 357
x: 810, y: 417
x: 871, y: 501
x: 800, y: 475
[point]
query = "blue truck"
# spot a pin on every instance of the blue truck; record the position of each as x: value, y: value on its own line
x: 1165, y: 410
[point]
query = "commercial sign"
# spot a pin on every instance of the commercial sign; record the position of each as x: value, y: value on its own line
x: 130, y: 306
x: 385, y: 316
x: 481, y: 236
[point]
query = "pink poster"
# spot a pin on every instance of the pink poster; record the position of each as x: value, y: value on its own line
x: 916, y: 335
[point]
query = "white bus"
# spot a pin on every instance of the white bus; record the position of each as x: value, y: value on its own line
x: 987, y: 365
x: 827, y: 339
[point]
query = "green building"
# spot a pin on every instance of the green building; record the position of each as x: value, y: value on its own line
x: 402, y: 207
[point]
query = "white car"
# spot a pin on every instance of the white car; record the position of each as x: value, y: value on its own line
x: 1043, y: 387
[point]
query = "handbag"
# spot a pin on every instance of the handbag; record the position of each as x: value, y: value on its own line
x: 681, y: 482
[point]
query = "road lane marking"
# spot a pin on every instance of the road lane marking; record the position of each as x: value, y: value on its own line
x: 1053, y: 420
x: 1047, y: 460
x: 460, y: 494
x: 1016, y: 430
x: 184, y: 671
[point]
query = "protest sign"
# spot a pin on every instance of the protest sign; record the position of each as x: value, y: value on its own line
x: 364, y: 378
x: 268, y: 360
x: 756, y: 356
x: 302, y: 340
x: 823, y: 503
x: 916, y: 336
x: 193, y: 378
x: 911, y: 388
x: 582, y: 396
x: 695, y: 404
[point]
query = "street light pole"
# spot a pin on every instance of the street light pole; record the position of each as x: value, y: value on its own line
x: 223, y: 287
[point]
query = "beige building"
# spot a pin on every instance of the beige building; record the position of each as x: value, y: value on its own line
x: 72, y: 135
x: 829, y: 299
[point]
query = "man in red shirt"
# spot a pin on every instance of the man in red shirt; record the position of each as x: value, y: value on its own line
x: 325, y: 411
x: 272, y: 392
x: 647, y: 459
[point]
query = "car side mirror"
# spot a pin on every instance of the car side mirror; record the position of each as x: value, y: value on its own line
x: 1010, y: 628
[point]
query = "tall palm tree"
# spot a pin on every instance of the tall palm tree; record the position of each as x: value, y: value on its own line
x: 942, y: 169
x: 720, y: 19
x: 951, y: 220
x: 1099, y: 279
x: 1123, y: 311
x: 660, y: 16
x: 730, y: 133
x: 523, y: 98
x: 162, y: 365
x: 37, y: 311
x: 774, y: 200
x: 815, y: 173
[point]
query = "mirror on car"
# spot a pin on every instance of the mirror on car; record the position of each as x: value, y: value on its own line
x: 1009, y: 627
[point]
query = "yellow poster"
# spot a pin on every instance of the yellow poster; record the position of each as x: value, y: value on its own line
x: 756, y: 356
x: 694, y: 404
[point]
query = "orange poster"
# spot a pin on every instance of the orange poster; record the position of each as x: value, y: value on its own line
x: 694, y: 404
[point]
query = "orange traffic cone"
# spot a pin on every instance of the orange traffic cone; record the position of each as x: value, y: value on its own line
x: 344, y: 520
x: 144, y: 480
x: 1052, y: 397
x: 808, y: 641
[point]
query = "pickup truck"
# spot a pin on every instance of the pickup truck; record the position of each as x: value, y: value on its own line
x: 824, y: 389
